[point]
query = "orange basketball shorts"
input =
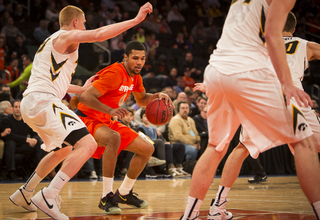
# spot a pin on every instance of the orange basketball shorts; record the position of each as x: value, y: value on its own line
x: 127, y: 134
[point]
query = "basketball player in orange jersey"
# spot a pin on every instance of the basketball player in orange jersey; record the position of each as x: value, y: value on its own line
x: 98, y: 104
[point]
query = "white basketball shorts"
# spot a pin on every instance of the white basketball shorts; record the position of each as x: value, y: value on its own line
x: 50, y: 118
x: 253, y: 99
x: 312, y: 119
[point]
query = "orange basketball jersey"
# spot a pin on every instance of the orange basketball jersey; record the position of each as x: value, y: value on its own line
x: 115, y: 85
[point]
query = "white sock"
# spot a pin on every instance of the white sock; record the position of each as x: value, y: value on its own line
x: 59, y: 181
x: 32, y: 182
x: 316, y: 209
x: 221, y: 194
x: 107, y: 185
x: 192, y: 208
x: 126, y: 185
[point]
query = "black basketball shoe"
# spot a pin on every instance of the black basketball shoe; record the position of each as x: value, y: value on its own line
x: 109, y: 204
x: 131, y: 199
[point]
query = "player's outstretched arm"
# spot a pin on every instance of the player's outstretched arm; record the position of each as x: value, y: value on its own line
x: 313, y: 51
x: 107, y: 32
x: 275, y: 21
x: 78, y: 89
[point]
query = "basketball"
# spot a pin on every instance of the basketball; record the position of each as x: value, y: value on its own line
x: 158, y: 113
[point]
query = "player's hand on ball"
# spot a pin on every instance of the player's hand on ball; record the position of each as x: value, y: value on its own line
x: 199, y: 87
x: 119, y: 112
x: 167, y: 99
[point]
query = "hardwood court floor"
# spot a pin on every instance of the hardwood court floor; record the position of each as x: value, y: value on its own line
x: 278, y: 199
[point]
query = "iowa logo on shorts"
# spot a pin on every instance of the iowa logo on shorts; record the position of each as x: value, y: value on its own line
x: 66, y: 119
x: 296, y: 114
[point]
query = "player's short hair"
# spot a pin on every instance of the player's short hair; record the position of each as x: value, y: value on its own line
x: 68, y: 13
x: 290, y: 23
x: 134, y: 45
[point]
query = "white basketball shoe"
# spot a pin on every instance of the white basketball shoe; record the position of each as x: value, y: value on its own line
x: 218, y: 211
x: 22, y: 198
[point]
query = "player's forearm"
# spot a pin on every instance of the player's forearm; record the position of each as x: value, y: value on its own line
x: 148, y: 98
x: 275, y: 21
x: 75, y: 89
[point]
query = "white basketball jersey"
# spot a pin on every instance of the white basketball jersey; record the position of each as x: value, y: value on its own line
x: 296, y: 57
x: 242, y: 46
x: 52, y: 71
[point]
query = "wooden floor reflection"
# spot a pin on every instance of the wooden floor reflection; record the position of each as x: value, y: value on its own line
x: 278, y: 199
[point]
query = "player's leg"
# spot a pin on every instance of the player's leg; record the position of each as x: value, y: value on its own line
x: 143, y: 150
x: 48, y: 199
x: 111, y: 140
x: 308, y: 169
x: 222, y: 125
x: 229, y: 175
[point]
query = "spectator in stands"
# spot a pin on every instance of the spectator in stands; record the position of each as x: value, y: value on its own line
x: 198, y: 25
x: 194, y: 68
x: 11, y: 32
x: 214, y: 11
x: 18, y: 49
x: 141, y: 35
x: 41, y: 33
x: 6, y: 93
x: 118, y: 53
x: 110, y: 18
x: 191, y: 98
x: 5, y: 109
x: 188, y: 80
x: 179, y: 42
x: 90, y: 22
x: 169, y: 91
x: 171, y: 80
x: 182, y: 129
x: 13, y: 70
x: 182, y: 96
x: 152, y: 133
x: 180, y: 84
x: 117, y: 14
x: 164, y: 27
x: 52, y: 13
x: 150, y: 24
x: 19, y: 15
x: 24, y: 77
x: 164, y: 150
x: 174, y: 15
x: 157, y: 16
x: 200, y: 103
x: 115, y: 41
x: 21, y: 140
x: 202, y: 127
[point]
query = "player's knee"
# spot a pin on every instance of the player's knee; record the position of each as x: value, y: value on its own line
x: 92, y: 145
x: 112, y: 139
x: 149, y: 150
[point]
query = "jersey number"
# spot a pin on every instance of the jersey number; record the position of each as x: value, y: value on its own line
x: 122, y: 100
x: 291, y: 47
